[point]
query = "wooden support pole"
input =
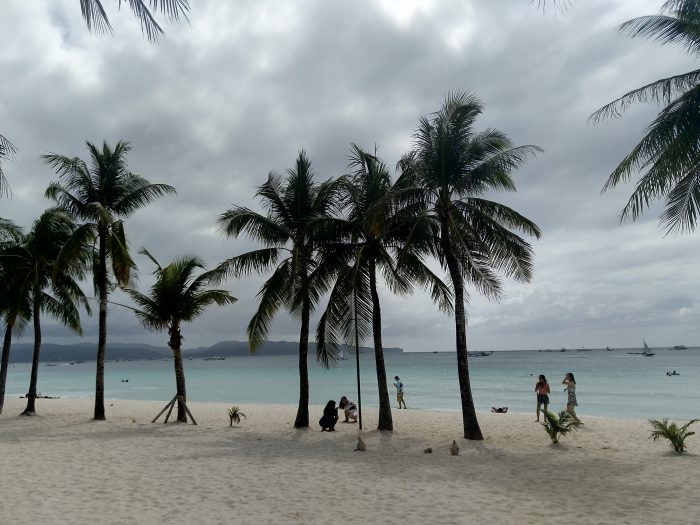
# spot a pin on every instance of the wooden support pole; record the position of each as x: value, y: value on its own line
x: 164, y: 409
x: 172, y: 405
x: 188, y: 411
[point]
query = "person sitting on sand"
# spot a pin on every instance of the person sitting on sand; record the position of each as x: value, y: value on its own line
x: 499, y: 410
x: 349, y: 408
x: 330, y: 417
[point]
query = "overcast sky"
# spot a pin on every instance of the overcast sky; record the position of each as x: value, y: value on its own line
x: 222, y: 101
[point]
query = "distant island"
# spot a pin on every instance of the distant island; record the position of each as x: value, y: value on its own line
x: 22, y: 352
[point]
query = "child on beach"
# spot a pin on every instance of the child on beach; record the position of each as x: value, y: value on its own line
x: 542, y: 391
x: 570, y: 383
x: 399, y: 392
x: 349, y: 408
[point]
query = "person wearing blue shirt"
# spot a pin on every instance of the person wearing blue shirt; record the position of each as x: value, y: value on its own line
x: 399, y: 392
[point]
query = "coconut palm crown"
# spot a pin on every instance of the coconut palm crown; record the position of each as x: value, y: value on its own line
x: 101, y: 196
x: 177, y: 296
x: 668, y: 155
x: 296, y: 207
x: 452, y: 167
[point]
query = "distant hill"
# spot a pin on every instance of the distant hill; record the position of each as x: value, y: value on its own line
x: 22, y: 352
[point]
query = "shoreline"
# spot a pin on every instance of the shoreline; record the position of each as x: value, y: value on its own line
x: 127, y: 470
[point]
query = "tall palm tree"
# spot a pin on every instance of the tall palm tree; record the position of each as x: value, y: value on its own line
x: 96, y: 17
x: 454, y: 166
x: 45, y: 269
x: 15, y: 307
x: 668, y: 155
x: 177, y: 296
x: 373, y: 231
x: 101, y: 195
x: 296, y: 209
x: 6, y: 151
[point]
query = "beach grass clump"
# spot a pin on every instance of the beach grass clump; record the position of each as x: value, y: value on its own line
x: 675, y: 435
x: 235, y: 415
x: 559, y: 425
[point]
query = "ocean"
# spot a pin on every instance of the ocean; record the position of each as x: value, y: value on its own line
x: 609, y: 383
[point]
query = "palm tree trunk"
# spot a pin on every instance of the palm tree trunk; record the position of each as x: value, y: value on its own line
x: 31, y: 395
x: 385, y: 419
x: 470, y: 422
x: 102, y: 330
x: 302, y: 419
x: 6, y: 343
x: 175, y: 346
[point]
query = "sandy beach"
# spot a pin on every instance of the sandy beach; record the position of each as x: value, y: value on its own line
x: 62, y: 468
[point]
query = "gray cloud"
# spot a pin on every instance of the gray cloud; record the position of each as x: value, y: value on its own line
x: 222, y: 102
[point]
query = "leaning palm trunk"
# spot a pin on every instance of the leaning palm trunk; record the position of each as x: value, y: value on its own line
x: 175, y: 346
x: 102, y: 331
x: 302, y: 419
x: 385, y: 419
x: 31, y: 394
x: 471, y: 424
x: 6, y: 344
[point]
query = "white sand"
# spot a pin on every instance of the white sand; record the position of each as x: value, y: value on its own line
x: 62, y: 468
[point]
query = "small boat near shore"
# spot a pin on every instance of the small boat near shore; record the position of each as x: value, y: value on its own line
x: 679, y: 347
x: 480, y: 354
x: 214, y: 358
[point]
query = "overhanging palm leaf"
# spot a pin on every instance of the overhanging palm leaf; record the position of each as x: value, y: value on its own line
x: 97, y: 20
x: 7, y: 150
x: 669, y: 153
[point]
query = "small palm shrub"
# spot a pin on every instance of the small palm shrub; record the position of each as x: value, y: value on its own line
x: 235, y: 415
x: 559, y: 425
x: 676, y: 435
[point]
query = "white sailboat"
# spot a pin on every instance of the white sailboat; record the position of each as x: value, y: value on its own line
x: 646, y: 352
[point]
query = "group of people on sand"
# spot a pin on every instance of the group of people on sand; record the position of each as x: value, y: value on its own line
x: 542, y: 391
x: 330, y: 414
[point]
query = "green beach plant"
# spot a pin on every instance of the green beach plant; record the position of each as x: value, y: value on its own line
x: 235, y: 415
x: 101, y: 195
x: 675, y: 435
x: 557, y: 426
x: 6, y: 151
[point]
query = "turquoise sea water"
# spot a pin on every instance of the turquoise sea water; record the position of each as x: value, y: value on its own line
x: 609, y: 383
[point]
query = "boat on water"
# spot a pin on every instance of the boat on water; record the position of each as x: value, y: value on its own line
x: 607, y: 348
x: 646, y: 352
x: 480, y: 354
x: 214, y: 358
x: 679, y: 347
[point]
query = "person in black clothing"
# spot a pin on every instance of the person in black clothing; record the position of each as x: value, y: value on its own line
x: 330, y: 417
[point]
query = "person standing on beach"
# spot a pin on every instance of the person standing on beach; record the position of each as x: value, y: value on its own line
x: 399, y: 392
x: 542, y: 391
x: 570, y: 383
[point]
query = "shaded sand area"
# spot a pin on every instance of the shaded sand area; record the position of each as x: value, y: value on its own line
x: 62, y: 468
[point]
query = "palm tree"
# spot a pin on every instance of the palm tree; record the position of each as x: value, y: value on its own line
x: 453, y: 167
x: 6, y: 151
x: 296, y: 210
x: 177, y: 296
x: 15, y: 307
x: 50, y: 257
x: 101, y: 195
x: 373, y: 232
x: 96, y: 17
x: 668, y: 155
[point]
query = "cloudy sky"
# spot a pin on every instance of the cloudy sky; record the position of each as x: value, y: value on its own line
x: 222, y: 101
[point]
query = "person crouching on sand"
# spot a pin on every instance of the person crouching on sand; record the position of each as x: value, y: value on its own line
x: 542, y: 391
x: 349, y: 408
x: 330, y: 417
